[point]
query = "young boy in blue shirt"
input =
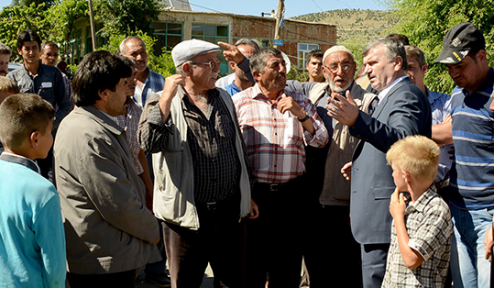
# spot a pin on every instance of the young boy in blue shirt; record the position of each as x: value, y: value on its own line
x: 32, y: 241
x: 422, y: 228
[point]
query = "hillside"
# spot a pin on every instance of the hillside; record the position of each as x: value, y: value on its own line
x: 355, y: 27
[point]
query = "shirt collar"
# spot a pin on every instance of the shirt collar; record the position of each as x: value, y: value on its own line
x: 256, y: 91
x: 386, y: 90
x: 14, y: 158
x: 422, y: 202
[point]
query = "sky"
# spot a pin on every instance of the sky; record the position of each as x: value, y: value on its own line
x: 256, y: 7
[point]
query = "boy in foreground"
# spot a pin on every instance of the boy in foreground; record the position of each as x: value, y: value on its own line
x: 422, y: 229
x: 32, y: 241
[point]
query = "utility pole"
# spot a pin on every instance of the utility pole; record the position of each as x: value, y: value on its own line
x: 91, y: 20
x: 279, y: 13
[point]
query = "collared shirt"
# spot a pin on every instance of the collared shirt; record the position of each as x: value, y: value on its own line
x: 275, y: 141
x: 48, y: 84
x: 153, y: 84
x: 429, y: 227
x: 232, y: 89
x: 386, y: 90
x: 211, y: 140
x: 472, y: 172
x: 441, y: 107
x: 130, y: 123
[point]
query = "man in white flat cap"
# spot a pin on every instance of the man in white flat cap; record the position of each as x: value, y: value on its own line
x: 202, y: 187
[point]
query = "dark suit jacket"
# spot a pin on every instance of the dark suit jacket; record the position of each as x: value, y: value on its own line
x: 404, y: 111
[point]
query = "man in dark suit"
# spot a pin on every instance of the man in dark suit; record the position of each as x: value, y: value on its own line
x: 402, y: 110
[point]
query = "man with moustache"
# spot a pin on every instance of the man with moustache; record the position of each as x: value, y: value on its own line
x: 471, y: 191
x: 202, y: 187
x: 403, y: 110
x: 329, y: 192
x: 5, y: 54
x: 109, y: 231
x: 276, y: 125
x: 148, y: 82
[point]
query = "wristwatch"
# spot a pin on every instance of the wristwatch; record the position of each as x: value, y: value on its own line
x: 305, y: 118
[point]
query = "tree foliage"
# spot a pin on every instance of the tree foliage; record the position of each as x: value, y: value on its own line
x: 16, y: 18
x: 126, y: 16
x: 63, y: 15
x: 35, y: 2
x: 425, y: 22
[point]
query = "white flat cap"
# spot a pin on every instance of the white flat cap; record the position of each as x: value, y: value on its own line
x: 188, y: 49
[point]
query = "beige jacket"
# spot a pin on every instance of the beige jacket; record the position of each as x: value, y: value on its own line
x: 108, y: 228
x: 336, y: 189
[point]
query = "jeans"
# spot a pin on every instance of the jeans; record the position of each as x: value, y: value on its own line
x: 469, y: 267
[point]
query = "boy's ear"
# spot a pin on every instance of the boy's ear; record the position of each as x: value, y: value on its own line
x: 407, y: 176
x: 34, y: 139
x: 103, y: 94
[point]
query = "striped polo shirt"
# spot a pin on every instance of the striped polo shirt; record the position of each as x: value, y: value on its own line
x: 472, y: 173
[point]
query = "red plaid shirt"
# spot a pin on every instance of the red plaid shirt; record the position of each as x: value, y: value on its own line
x: 275, y: 141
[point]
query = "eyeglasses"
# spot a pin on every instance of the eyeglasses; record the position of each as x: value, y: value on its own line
x: 334, y: 67
x: 52, y: 55
x: 212, y: 64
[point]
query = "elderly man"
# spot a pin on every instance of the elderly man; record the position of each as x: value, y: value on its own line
x: 314, y: 65
x: 329, y: 201
x: 403, y: 110
x: 202, y: 187
x: 471, y: 195
x: 148, y: 82
x: 109, y: 231
x: 5, y: 54
x: 49, y: 56
x: 276, y: 125
x: 247, y: 47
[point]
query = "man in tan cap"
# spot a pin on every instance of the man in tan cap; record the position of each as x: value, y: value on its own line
x: 202, y: 186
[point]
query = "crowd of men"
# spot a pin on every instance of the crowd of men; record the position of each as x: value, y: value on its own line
x: 259, y: 176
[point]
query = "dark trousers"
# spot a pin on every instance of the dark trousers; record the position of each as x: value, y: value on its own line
x: 374, y: 257
x: 124, y: 279
x: 220, y: 241
x: 329, y: 249
x: 273, y: 242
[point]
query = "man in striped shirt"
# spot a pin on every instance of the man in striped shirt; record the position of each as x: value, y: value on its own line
x: 276, y: 124
x: 472, y: 174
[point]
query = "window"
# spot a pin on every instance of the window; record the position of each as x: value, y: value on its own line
x: 303, y: 49
x: 213, y: 34
x: 167, y: 35
x: 73, y: 47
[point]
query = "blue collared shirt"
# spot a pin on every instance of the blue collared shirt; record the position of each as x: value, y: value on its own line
x: 153, y: 84
x: 232, y: 89
x: 441, y: 107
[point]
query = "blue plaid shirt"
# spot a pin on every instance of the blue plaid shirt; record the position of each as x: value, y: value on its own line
x: 153, y: 84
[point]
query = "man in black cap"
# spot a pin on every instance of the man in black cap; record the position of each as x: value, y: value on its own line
x: 471, y: 198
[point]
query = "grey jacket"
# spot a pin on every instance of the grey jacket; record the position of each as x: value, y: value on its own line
x: 172, y: 163
x: 107, y: 226
x: 49, y: 85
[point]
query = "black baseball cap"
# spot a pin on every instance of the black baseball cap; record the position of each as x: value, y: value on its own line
x: 459, y: 41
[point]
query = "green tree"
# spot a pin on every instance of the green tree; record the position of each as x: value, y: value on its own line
x: 63, y: 15
x: 425, y: 22
x: 16, y: 18
x: 35, y: 2
x: 126, y: 16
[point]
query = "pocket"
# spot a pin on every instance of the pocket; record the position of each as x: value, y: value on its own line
x: 383, y: 192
